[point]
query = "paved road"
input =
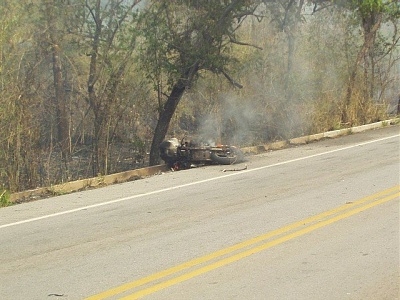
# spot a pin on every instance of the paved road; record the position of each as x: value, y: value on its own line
x: 318, y: 221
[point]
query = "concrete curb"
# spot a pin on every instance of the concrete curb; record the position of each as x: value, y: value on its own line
x: 77, y: 185
x: 319, y: 136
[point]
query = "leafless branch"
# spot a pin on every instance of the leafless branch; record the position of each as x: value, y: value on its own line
x: 231, y: 80
x: 234, y: 41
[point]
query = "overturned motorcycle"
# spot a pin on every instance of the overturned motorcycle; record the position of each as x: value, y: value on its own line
x: 188, y: 153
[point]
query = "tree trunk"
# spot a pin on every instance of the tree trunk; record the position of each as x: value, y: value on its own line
x: 291, y: 31
x: 100, y: 144
x: 169, y: 109
x: 370, y: 26
x: 164, y: 120
x: 289, y: 71
x: 92, y: 96
x: 59, y: 98
x: 398, y: 106
x: 104, y: 70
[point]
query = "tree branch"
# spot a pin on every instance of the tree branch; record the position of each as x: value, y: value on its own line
x: 231, y: 80
x: 234, y: 41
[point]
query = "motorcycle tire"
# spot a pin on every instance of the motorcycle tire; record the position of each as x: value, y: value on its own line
x: 233, y: 156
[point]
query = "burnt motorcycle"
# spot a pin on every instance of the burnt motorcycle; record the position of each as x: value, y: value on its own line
x: 190, y: 153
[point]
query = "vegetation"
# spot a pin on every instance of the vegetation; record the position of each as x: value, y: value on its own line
x: 4, y: 198
x: 92, y: 87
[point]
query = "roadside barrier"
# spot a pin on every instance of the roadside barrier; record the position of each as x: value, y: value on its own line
x: 78, y: 185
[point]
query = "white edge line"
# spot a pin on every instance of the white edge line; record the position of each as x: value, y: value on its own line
x: 191, y: 183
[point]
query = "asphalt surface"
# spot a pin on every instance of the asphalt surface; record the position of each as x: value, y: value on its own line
x: 317, y: 221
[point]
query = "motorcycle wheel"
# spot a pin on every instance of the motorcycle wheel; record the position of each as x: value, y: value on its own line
x: 233, y: 156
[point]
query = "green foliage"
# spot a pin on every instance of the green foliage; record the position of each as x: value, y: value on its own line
x: 365, y: 8
x: 368, y: 6
x: 4, y: 198
x: 179, y: 34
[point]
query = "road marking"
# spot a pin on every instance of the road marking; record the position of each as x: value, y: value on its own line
x: 82, y: 208
x: 244, y: 249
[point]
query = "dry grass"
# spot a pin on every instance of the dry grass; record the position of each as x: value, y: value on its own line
x: 328, y: 113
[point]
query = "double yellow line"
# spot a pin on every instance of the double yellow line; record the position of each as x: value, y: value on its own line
x: 204, y: 264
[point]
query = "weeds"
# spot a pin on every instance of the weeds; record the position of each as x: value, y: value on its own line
x: 5, y: 199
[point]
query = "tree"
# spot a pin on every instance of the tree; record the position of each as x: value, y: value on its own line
x: 286, y: 15
x: 53, y: 9
x: 18, y: 127
x: 371, y: 14
x: 111, y: 40
x: 183, y: 38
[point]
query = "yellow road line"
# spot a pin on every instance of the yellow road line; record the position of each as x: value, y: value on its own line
x: 247, y: 243
x: 254, y: 250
